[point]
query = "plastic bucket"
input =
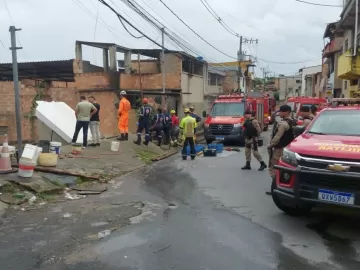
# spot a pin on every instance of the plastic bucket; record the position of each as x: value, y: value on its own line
x: 55, y: 147
x: 115, y: 146
x: 26, y: 168
x: 30, y: 152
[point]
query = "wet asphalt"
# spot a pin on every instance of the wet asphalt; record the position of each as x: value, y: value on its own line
x: 208, y: 214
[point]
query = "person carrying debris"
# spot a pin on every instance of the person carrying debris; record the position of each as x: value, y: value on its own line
x: 144, y: 119
x: 167, y: 126
x: 187, y: 128
x: 282, y: 136
x: 158, y: 125
x: 252, y: 133
x: 174, y: 132
x: 305, y: 113
x: 123, y: 113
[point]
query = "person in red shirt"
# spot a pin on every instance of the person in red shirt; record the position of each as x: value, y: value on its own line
x: 175, y: 130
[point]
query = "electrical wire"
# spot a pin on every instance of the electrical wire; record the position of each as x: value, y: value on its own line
x: 289, y: 63
x: 2, y: 44
x: 196, y: 32
x: 318, y: 4
x: 218, y: 18
x: 129, y: 23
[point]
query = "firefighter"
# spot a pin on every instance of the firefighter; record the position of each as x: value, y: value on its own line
x: 252, y: 133
x: 187, y: 128
x: 158, y: 125
x: 144, y: 118
x: 282, y: 136
x: 174, y: 132
x: 305, y: 113
x: 167, y: 126
x: 313, y: 110
x: 123, y: 113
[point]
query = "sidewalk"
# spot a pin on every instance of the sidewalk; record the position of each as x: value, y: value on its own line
x: 75, y: 176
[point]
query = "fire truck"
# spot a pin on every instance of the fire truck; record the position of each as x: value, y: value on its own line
x: 322, y: 165
x: 226, y: 117
x: 296, y: 102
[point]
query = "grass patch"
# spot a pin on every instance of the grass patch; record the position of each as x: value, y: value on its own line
x: 145, y: 155
x: 46, y: 197
x: 9, y: 188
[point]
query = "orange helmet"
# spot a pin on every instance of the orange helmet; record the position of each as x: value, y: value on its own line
x: 145, y: 101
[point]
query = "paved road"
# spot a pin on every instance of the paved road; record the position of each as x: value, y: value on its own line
x: 208, y: 214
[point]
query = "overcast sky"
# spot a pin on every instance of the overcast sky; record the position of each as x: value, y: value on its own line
x: 288, y: 31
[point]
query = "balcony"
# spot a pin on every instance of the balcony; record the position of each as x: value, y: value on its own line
x: 354, y: 91
x: 332, y: 47
x: 349, y: 66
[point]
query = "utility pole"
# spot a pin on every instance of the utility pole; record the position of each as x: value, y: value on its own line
x: 241, y: 58
x: 239, y: 64
x: 163, y: 98
x: 13, y: 49
x: 265, y: 72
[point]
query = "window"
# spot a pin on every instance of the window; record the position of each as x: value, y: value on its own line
x: 298, y: 81
x: 345, y: 85
x: 228, y: 109
x: 337, y: 122
x: 353, y: 82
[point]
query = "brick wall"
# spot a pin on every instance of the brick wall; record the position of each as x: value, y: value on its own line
x: 149, y: 81
x: 97, y: 80
x: 146, y: 66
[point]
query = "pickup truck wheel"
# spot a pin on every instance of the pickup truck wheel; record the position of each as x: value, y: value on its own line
x: 209, y: 141
x: 291, y: 211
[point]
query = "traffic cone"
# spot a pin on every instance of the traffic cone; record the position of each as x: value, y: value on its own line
x: 5, y: 163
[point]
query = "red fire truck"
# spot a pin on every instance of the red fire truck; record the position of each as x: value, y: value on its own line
x: 224, y: 122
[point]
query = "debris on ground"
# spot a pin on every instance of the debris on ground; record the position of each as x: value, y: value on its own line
x: 104, y: 233
x: 66, y: 215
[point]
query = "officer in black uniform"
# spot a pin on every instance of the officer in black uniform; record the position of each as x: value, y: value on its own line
x: 167, y: 126
x: 158, y: 125
x: 144, y: 119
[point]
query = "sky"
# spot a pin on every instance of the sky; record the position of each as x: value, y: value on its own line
x: 287, y: 31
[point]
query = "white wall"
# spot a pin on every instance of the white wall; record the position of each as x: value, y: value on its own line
x: 308, y: 71
x: 192, y: 88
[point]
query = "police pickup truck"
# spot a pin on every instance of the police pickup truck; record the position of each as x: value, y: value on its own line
x: 322, y: 165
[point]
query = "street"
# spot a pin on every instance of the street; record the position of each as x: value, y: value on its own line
x: 202, y: 214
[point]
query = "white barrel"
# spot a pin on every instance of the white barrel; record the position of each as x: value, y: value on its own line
x: 115, y: 146
x: 55, y: 147
x: 30, y: 152
x: 26, y: 167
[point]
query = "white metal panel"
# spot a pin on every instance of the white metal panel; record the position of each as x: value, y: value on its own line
x: 60, y: 118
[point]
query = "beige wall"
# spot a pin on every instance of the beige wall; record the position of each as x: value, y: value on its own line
x: 192, y: 92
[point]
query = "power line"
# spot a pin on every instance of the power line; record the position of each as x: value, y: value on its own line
x: 196, y: 32
x: 289, y: 63
x: 2, y: 44
x: 218, y: 18
x: 317, y: 4
x: 124, y: 19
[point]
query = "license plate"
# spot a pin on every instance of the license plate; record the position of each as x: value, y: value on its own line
x: 336, y: 197
x: 220, y: 138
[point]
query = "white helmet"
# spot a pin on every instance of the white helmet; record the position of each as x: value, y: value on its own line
x: 122, y: 93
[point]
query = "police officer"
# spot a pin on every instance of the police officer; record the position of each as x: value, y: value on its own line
x: 158, y: 125
x: 187, y: 127
x: 167, y: 126
x: 282, y: 136
x: 305, y: 113
x: 252, y: 132
x: 144, y: 119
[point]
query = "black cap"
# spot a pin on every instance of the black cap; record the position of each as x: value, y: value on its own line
x: 304, y: 108
x: 248, y: 112
x: 285, y: 108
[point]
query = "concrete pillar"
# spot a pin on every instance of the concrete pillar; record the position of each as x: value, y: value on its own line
x: 127, y: 62
x: 112, y: 56
x: 78, y: 67
x: 106, y: 60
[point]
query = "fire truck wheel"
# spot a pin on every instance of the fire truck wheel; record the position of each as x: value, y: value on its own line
x: 291, y: 211
x: 209, y: 141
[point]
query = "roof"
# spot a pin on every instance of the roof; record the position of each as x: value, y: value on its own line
x: 216, y: 70
x: 61, y: 70
x: 154, y: 53
x: 330, y: 28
